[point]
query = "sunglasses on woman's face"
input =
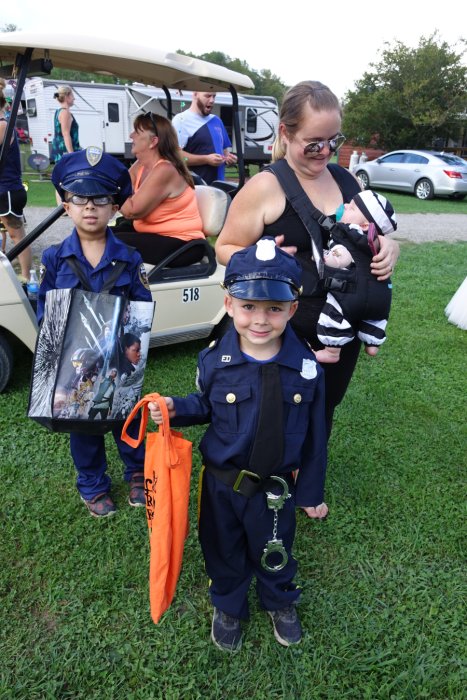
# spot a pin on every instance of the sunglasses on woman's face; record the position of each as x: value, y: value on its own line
x: 317, y: 146
x: 153, y: 122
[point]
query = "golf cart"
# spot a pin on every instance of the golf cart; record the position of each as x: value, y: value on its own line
x: 189, y: 300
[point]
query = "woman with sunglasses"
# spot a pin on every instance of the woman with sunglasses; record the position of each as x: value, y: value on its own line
x: 162, y: 212
x: 309, y: 136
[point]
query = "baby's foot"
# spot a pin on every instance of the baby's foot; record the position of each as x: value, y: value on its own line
x: 371, y: 350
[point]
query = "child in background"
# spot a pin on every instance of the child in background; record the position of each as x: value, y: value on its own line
x: 262, y: 392
x: 93, y: 185
x: 362, y: 307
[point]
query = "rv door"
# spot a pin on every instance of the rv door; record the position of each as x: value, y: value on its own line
x: 114, y: 136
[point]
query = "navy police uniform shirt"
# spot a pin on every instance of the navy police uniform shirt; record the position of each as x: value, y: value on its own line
x: 229, y: 398
x: 57, y: 274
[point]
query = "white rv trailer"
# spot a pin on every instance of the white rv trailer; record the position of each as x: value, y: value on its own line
x: 105, y: 114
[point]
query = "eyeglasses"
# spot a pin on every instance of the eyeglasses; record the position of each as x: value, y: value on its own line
x: 317, y: 146
x: 99, y: 200
x: 153, y: 122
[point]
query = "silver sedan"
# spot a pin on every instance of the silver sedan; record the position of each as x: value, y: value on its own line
x: 424, y: 173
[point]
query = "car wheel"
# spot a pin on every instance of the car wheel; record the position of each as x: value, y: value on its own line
x: 424, y: 189
x: 6, y: 362
x: 363, y: 179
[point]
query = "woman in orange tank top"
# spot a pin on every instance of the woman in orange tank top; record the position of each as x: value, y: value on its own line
x: 162, y: 210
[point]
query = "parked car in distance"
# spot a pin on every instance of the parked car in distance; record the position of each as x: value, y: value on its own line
x: 426, y: 174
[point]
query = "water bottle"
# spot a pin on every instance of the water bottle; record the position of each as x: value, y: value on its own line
x: 32, y: 285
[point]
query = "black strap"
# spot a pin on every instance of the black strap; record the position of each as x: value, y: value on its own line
x: 268, y: 445
x: 118, y: 267
x: 332, y: 279
x: 245, y: 482
x: 304, y: 207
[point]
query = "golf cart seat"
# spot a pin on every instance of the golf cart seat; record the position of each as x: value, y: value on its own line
x: 213, y: 205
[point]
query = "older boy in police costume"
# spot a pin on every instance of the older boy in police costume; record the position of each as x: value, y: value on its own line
x: 262, y: 392
x: 93, y: 185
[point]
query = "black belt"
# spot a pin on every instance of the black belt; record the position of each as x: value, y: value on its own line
x: 246, y: 482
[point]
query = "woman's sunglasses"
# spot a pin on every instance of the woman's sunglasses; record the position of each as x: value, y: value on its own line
x: 153, y: 122
x: 317, y: 146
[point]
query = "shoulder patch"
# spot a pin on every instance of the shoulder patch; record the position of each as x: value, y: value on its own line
x: 143, y: 277
x: 212, y: 344
x: 309, y: 370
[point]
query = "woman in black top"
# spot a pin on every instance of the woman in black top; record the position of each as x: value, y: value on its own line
x: 309, y: 135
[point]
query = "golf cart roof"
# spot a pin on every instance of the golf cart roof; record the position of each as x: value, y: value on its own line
x: 134, y: 62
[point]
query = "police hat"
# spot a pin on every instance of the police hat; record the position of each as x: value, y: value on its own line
x: 263, y: 272
x: 91, y: 172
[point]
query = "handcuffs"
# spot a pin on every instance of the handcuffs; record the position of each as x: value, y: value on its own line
x: 276, y: 502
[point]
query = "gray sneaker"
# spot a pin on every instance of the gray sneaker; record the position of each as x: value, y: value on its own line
x: 287, y: 627
x: 226, y: 631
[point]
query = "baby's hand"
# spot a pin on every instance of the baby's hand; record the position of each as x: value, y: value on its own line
x: 156, y: 413
x: 317, y: 512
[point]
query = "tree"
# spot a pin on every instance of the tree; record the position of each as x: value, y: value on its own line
x: 412, y: 98
x: 265, y: 82
x: 9, y: 28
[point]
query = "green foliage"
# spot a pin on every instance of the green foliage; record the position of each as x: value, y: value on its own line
x: 8, y: 27
x: 383, y: 605
x: 266, y: 83
x: 76, y: 75
x: 413, y: 96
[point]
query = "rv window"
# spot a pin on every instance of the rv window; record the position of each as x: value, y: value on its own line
x: 31, y: 108
x: 113, y: 112
x: 251, y: 121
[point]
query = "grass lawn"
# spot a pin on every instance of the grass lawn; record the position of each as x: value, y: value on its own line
x: 384, y: 587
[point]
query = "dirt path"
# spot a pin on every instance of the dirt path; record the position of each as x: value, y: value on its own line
x: 423, y: 228
x: 417, y: 228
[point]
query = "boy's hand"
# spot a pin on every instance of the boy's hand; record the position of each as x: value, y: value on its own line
x: 156, y: 413
x: 317, y: 512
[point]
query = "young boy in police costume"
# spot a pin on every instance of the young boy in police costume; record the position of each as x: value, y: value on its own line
x: 262, y: 392
x: 93, y: 185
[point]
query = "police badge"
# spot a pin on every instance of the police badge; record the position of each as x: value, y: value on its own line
x: 93, y: 155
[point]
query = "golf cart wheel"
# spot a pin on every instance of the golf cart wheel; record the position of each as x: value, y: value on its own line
x: 363, y: 179
x: 424, y: 189
x: 6, y: 362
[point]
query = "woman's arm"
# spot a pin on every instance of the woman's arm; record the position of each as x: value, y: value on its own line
x: 259, y: 202
x: 65, y: 120
x: 383, y: 264
x: 160, y: 183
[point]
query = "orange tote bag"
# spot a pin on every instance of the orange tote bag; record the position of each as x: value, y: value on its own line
x: 167, y: 472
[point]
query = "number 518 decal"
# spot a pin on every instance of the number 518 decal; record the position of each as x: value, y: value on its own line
x: 190, y: 294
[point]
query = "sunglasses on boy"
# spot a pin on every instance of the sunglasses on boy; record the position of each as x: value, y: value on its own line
x: 317, y: 146
x: 99, y: 200
x: 153, y: 121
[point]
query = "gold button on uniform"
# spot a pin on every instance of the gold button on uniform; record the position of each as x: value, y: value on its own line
x: 231, y: 398
x: 297, y: 398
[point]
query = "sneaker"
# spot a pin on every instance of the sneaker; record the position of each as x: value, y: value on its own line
x: 100, y: 506
x: 287, y: 627
x: 137, y: 497
x: 226, y: 632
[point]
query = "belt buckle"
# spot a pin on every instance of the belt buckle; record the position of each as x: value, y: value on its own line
x: 242, y: 474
